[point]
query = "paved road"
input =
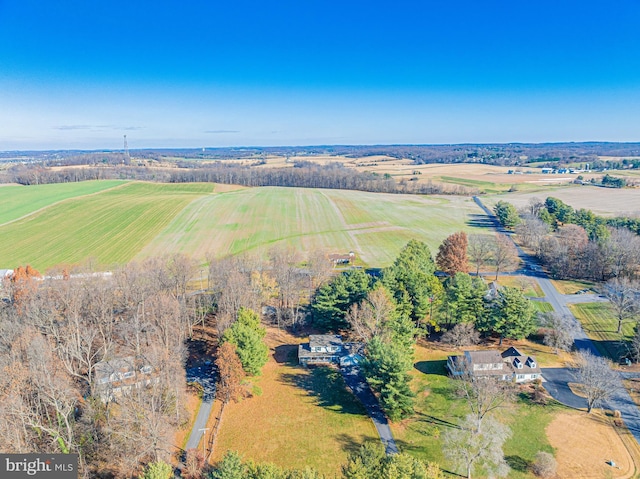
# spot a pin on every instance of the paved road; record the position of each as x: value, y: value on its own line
x: 206, y: 377
x: 620, y: 398
x: 556, y: 383
x: 361, y: 390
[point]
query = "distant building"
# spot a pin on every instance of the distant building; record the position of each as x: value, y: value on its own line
x: 342, y: 258
x: 511, y: 365
x: 547, y: 171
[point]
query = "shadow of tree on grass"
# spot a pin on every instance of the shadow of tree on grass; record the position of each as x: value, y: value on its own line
x: 328, y: 386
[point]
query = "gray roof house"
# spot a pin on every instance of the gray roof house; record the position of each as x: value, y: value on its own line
x: 329, y: 349
x: 120, y: 375
x: 511, y: 365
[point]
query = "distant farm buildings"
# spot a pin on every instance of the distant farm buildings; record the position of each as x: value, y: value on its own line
x: 337, y: 259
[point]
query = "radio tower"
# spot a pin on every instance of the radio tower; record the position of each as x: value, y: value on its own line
x: 126, y: 148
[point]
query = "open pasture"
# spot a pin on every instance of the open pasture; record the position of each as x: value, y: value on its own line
x: 18, y: 201
x: 602, y: 201
x: 111, y: 226
x: 373, y: 225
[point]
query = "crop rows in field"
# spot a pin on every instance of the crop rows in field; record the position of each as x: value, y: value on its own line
x: 375, y: 226
x: 18, y: 201
x: 111, y: 226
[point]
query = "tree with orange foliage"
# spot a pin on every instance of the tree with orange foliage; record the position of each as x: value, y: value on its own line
x: 22, y: 284
x: 230, y: 377
x: 452, y: 254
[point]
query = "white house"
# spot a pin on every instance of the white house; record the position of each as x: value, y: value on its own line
x: 511, y: 365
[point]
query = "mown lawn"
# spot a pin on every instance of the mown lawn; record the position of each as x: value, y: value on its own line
x: 111, y: 227
x: 528, y: 286
x: 542, y: 306
x: 18, y: 201
x: 301, y: 416
x: 565, y: 286
x: 601, y: 325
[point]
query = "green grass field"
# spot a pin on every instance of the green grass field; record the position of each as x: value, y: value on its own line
x: 138, y: 220
x: 111, y: 227
x: 18, y: 201
x: 375, y: 226
x: 600, y: 324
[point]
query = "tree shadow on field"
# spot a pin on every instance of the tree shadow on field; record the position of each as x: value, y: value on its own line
x: 518, y: 463
x: 348, y: 443
x: 432, y: 367
x: 480, y: 221
x: 286, y: 353
x: 328, y: 387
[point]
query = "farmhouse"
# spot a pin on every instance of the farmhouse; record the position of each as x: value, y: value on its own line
x: 342, y: 258
x: 329, y: 349
x: 121, y: 375
x: 511, y: 365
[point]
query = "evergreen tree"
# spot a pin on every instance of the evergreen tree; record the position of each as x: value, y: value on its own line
x: 408, y: 279
x: 512, y: 315
x: 157, y: 470
x: 507, y: 214
x: 231, y: 467
x: 332, y: 301
x: 386, y: 368
x: 464, y: 299
x: 246, y: 334
x: 366, y: 463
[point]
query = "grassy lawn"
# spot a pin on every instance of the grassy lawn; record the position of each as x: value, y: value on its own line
x: 528, y: 286
x: 111, y: 227
x: 542, y: 306
x: 18, y: 201
x: 565, y: 286
x: 302, y: 417
x: 438, y: 408
x: 600, y: 324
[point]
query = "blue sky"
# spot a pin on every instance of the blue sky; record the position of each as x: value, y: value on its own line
x: 80, y: 74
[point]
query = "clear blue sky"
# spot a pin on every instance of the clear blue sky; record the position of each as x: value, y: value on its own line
x: 191, y: 73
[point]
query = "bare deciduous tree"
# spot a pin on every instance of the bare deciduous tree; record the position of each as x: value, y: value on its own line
x: 480, y: 250
x: 599, y: 382
x: 505, y: 253
x: 369, y: 318
x: 462, y: 334
x: 624, y: 296
x: 559, y: 331
x: 469, y: 448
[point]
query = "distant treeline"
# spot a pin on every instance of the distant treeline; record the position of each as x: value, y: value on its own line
x: 302, y: 175
x: 494, y: 154
x: 310, y: 175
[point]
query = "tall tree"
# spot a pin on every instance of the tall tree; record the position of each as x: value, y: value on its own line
x: 559, y: 331
x: 598, y: 381
x: 464, y: 299
x: 470, y: 449
x: 507, y: 214
x: 505, y: 253
x: 386, y: 368
x: 512, y: 315
x: 624, y: 296
x: 333, y: 299
x: 246, y: 334
x: 410, y: 278
x: 480, y: 250
x: 452, y: 254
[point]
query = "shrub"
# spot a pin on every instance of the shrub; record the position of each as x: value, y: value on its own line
x: 544, y: 465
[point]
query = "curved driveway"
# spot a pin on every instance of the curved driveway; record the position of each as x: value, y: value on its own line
x: 361, y: 390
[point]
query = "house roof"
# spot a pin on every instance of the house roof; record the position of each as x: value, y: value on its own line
x: 511, y: 352
x: 325, y: 340
x: 484, y: 357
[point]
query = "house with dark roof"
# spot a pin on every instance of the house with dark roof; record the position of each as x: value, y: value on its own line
x: 329, y: 349
x: 511, y: 365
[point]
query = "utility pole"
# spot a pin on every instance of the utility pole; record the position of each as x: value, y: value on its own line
x: 204, y: 437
